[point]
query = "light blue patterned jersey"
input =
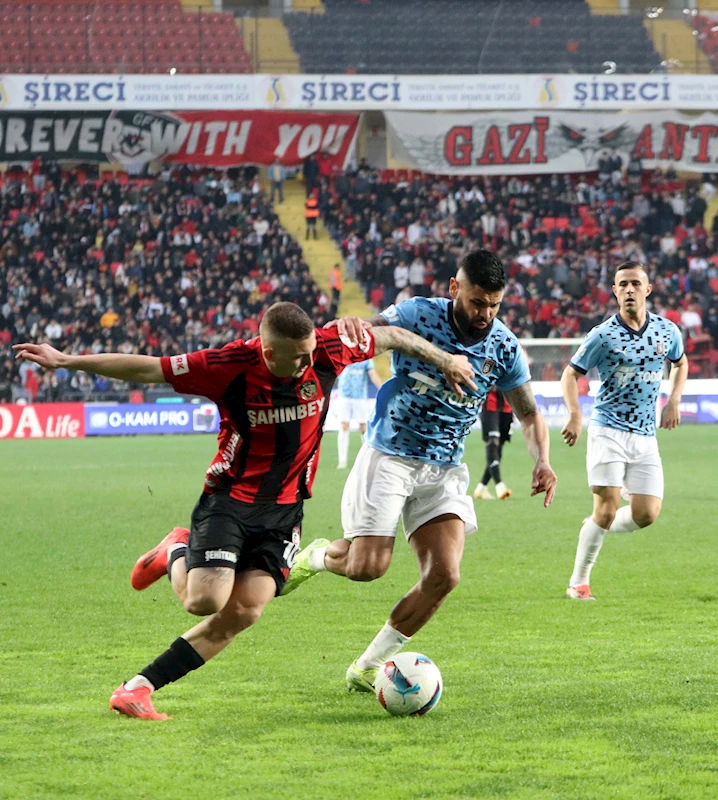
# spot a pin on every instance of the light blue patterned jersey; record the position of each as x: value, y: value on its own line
x: 353, y: 383
x: 417, y: 415
x: 630, y: 365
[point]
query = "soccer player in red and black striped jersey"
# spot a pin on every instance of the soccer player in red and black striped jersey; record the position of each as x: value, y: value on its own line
x: 272, y: 393
x: 496, y: 418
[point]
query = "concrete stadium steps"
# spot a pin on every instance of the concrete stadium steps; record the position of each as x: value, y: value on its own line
x: 197, y: 5
x: 312, y: 6
x: 673, y: 39
x: 604, y: 7
x: 711, y: 212
x: 321, y: 256
x: 270, y: 48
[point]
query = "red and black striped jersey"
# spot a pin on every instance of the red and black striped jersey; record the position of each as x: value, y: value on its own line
x: 270, y: 427
x: 495, y: 401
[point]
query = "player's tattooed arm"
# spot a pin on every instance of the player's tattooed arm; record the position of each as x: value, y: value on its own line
x: 535, y: 433
x: 456, y: 369
x: 522, y: 401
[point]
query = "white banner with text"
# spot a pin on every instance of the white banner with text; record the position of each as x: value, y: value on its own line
x: 528, y: 142
x: 357, y: 92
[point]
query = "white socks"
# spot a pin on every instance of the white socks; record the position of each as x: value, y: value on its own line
x: 315, y: 559
x: 623, y: 521
x: 343, y: 447
x: 136, y: 682
x: 589, y: 544
x: 387, y: 643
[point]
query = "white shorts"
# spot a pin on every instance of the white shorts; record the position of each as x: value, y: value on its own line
x: 381, y: 489
x: 629, y: 460
x: 349, y: 409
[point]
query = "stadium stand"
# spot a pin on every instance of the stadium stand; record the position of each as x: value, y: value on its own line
x: 465, y: 36
x: 157, y: 267
x: 403, y: 234
x: 705, y: 29
x: 118, y: 37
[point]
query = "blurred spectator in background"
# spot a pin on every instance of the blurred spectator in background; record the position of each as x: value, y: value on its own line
x: 277, y: 175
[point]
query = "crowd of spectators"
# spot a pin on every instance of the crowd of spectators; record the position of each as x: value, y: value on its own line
x: 560, y: 237
x: 192, y: 259
x: 184, y: 261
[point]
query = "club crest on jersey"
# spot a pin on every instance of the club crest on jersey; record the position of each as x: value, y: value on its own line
x: 308, y: 390
x: 660, y: 348
x: 488, y: 366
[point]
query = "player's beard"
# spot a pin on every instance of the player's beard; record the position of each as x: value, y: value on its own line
x: 468, y: 332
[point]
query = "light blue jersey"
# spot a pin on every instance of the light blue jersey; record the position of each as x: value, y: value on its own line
x: 353, y: 383
x: 417, y: 415
x: 630, y: 365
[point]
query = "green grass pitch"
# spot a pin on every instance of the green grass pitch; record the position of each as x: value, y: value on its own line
x: 544, y: 698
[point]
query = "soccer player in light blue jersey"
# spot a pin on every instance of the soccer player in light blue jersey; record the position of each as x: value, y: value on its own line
x: 410, y: 466
x: 629, y: 350
x: 352, y: 403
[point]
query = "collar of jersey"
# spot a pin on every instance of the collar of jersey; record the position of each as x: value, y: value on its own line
x: 631, y: 330
x: 459, y: 335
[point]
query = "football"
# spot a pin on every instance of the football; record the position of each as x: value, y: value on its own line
x: 408, y: 685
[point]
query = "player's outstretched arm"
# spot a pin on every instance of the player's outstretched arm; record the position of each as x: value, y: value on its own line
x: 569, y: 386
x: 671, y: 414
x: 456, y: 369
x: 535, y: 431
x: 136, y: 369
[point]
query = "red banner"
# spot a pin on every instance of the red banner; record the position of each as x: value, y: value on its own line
x: 227, y: 138
x: 209, y: 138
x: 43, y: 421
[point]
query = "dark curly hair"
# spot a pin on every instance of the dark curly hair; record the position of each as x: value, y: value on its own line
x: 484, y: 268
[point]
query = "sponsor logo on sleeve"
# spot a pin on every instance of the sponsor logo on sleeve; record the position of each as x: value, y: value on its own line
x: 180, y: 365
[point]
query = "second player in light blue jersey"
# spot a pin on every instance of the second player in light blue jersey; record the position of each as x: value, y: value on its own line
x: 629, y: 351
x: 352, y: 403
x: 410, y: 467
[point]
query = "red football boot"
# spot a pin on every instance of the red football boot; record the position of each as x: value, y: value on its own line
x: 153, y: 565
x: 582, y: 592
x: 135, y: 703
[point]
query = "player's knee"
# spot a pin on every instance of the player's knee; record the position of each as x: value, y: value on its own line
x: 201, y: 605
x: 440, y: 584
x: 238, y: 618
x: 645, y: 517
x: 367, y: 569
x: 364, y: 572
x: 494, y: 441
x: 604, y: 517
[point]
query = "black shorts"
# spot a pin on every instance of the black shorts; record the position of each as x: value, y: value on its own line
x: 229, y: 533
x: 496, y: 423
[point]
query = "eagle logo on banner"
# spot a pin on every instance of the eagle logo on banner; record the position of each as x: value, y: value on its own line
x: 589, y: 140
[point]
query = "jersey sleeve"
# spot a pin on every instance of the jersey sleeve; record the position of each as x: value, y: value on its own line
x: 587, y: 355
x: 337, y: 352
x: 517, y: 374
x: 676, y: 349
x: 205, y: 372
x: 404, y: 315
x: 369, y: 365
